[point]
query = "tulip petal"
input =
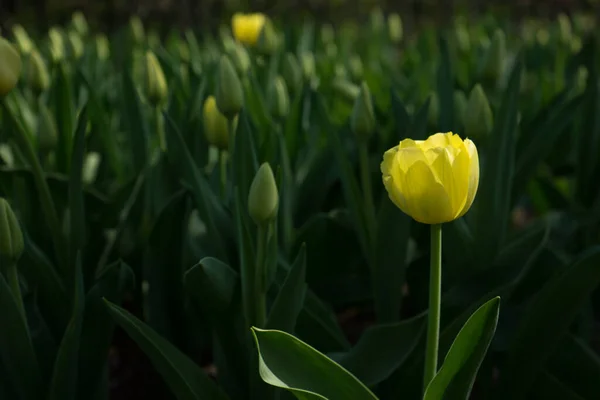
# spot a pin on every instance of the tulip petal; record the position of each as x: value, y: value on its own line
x: 392, y: 178
x: 427, y: 200
x: 461, y: 177
x: 408, y: 156
x: 443, y: 171
x: 473, y: 176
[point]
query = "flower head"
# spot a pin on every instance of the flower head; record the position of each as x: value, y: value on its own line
x: 247, y: 27
x: 434, y: 180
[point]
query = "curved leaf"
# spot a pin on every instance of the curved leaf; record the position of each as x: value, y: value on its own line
x: 291, y: 364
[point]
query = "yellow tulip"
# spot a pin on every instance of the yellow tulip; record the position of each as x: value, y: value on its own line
x: 434, y: 180
x: 216, y: 128
x: 247, y: 27
x: 10, y: 66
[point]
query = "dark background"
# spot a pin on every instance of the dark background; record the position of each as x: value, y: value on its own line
x: 107, y: 14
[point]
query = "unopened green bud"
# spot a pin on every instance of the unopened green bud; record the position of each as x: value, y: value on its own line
x: 327, y: 33
x: 575, y: 44
x: 24, y: 42
x: 216, y: 127
x: 478, y: 119
x: 463, y: 40
x: 460, y: 105
x: 279, y: 99
x: 47, y: 131
x: 268, y: 40
x: 76, y: 44
x: 542, y: 36
x: 102, y: 47
x: 496, y: 55
x: 80, y: 23
x: 377, y: 20
x: 355, y: 66
x: 362, y: 121
x: 37, y: 73
x: 57, y: 45
x: 263, y: 199
x: 292, y: 73
x: 136, y: 29
x: 11, y: 237
x: 395, y: 28
x: 581, y: 79
x: 10, y: 67
x: 90, y: 167
x: 229, y: 94
x: 240, y: 58
x: 154, y: 78
x: 309, y: 68
x: 565, y: 28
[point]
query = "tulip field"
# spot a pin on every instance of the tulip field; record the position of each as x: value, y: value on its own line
x: 271, y: 210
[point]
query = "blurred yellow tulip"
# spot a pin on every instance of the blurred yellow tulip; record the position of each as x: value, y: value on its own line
x: 10, y: 66
x: 216, y: 128
x: 434, y: 180
x: 247, y: 27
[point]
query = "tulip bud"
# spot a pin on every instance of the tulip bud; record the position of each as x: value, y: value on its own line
x: 292, y: 73
x: 463, y: 40
x: 57, y: 45
x: 542, y: 36
x: 478, y: 118
x: 216, y: 128
x: 102, y: 47
x: 355, y: 66
x: 47, y: 131
x: 76, y: 44
x: 247, y: 27
x: 79, y: 23
x: 460, y: 106
x: 362, y: 121
x: 136, y: 29
x: 279, y: 100
x: 263, y: 199
x: 10, y: 67
x: 395, y: 28
x: 37, y: 73
x: 308, y: 65
x: 496, y: 55
x: 24, y: 42
x: 239, y: 58
x: 268, y: 41
x: 327, y: 34
x: 377, y: 20
x: 90, y: 167
x: 11, y: 237
x: 154, y: 78
x: 229, y: 94
x: 565, y: 28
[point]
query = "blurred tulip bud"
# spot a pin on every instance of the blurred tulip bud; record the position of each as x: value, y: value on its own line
x: 564, y: 27
x: 47, y: 131
x: 581, y: 79
x: 102, y: 47
x: 216, y: 128
x: 10, y: 66
x: 37, y: 73
x: 307, y: 60
x: 377, y: 20
x: 542, y: 36
x: 90, y: 167
x: 292, y: 73
x: 268, y: 40
x: 155, y: 82
x: 434, y: 109
x: 229, y: 94
x: 79, y: 23
x: 76, y: 44
x: 136, y: 29
x: 327, y: 34
x: 463, y: 40
x: 263, y: 199
x: 11, y: 237
x: 575, y: 44
x: 279, y: 99
x: 240, y: 58
x: 355, y: 66
x: 362, y: 121
x: 57, y: 45
x: 24, y: 42
x: 395, y: 29
x: 247, y: 27
x: 496, y: 55
x: 460, y: 105
x: 478, y: 119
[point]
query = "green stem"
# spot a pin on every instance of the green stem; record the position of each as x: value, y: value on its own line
x: 13, y: 281
x: 260, y: 295
x: 45, y: 198
x: 435, y: 292
x: 223, y: 172
x: 367, y: 190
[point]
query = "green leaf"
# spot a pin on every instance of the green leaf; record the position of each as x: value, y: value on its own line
x: 245, y: 159
x: 493, y: 199
x: 458, y: 372
x: 382, y: 349
x: 76, y: 204
x: 290, y: 299
x: 247, y: 256
x: 291, y: 364
x: 98, y: 326
x: 135, y: 122
x: 63, y: 385
x: 392, y: 244
x: 62, y: 95
x: 16, y: 350
x: 186, y: 380
x: 552, y: 311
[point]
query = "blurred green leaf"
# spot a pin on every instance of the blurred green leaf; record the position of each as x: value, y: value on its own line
x: 135, y: 122
x: 445, y: 89
x: 64, y: 112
